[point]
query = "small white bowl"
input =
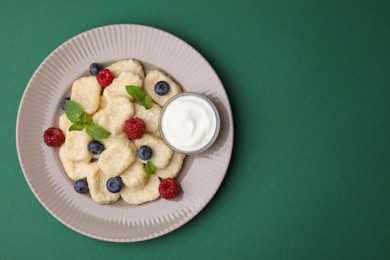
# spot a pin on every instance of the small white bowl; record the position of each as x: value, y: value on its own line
x: 204, y: 100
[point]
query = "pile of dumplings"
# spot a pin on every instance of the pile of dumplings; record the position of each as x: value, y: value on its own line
x: 110, y: 110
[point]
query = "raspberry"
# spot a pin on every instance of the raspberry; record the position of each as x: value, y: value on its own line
x: 104, y: 77
x: 134, y: 128
x: 168, y: 188
x: 53, y: 137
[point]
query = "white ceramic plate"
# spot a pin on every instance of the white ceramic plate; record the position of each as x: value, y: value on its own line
x: 201, y: 175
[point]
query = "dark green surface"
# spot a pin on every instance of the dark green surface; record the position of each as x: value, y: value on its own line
x: 309, y: 87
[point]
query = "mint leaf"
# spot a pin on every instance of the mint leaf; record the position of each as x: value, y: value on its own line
x: 139, y: 95
x: 85, y: 118
x: 150, y: 169
x: 135, y: 91
x: 96, y: 131
x: 147, y: 103
x: 73, y: 111
x: 78, y: 126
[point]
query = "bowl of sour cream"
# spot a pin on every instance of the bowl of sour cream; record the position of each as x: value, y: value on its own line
x: 189, y: 123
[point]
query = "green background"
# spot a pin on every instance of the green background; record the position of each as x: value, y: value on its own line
x: 308, y: 82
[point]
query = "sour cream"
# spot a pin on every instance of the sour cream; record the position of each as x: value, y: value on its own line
x: 189, y: 123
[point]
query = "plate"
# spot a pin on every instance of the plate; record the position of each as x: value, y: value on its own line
x: 201, y: 175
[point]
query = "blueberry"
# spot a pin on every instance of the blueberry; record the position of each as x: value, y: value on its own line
x: 81, y: 186
x: 95, y: 147
x: 94, y: 69
x: 145, y: 152
x: 63, y: 102
x: 161, y: 88
x: 114, y: 184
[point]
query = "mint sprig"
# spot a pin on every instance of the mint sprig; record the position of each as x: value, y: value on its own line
x: 150, y: 169
x: 139, y: 95
x: 80, y: 119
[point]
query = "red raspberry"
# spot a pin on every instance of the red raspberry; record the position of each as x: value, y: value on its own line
x: 168, y: 188
x: 134, y: 128
x: 53, y: 137
x: 104, y: 77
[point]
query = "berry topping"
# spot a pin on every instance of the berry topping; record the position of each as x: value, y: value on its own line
x: 168, y: 188
x: 114, y: 184
x: 95, y: 147
x: 134, y: 128
x: 94, y: 68
x: 53, y: 137
x: 145, y: 152
x: 81, y: 186
x: 161, y: 88
x: 104, y: 77
x: 63, y: 102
